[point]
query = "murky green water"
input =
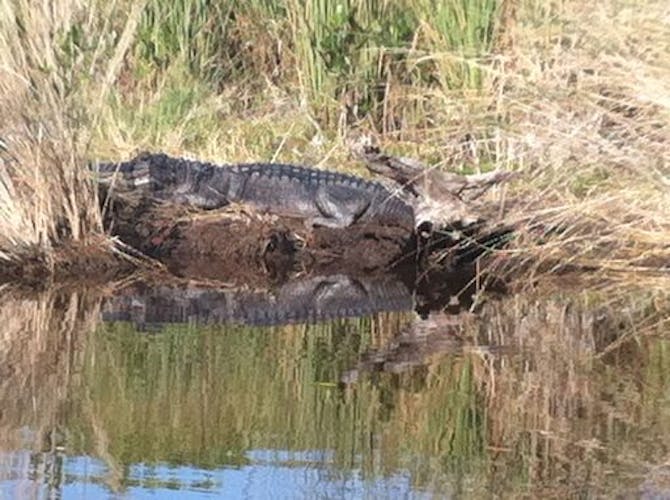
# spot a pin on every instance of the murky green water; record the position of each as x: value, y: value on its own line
x: 561, y: 396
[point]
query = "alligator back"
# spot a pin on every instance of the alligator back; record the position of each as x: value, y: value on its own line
x: 327, y: 198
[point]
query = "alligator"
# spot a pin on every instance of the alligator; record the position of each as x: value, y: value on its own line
x: 422, y: 181
x: 319, y: 197
x: 306, y: 300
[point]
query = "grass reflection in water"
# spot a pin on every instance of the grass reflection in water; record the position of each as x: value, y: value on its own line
x: 526, y: 400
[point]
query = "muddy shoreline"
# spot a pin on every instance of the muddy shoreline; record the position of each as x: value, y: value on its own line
x: 237, y: 245
x: 234, y: 248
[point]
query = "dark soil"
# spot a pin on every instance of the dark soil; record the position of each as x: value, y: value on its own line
x: 237, y: 245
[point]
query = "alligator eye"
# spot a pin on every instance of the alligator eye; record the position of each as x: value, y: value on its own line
x: 298, y: 242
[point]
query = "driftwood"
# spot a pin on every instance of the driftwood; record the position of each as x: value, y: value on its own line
x: 438, y: 198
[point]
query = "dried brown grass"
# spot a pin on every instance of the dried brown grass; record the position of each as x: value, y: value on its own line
x: 585, y: 92
x: 577, y: 100
x: 45, y: 194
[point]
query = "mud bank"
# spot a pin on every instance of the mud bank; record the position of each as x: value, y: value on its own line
x: 92, y: 261
x: 239, y: 245
x: 240, y: 250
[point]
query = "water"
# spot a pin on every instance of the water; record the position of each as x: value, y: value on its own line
x: 273, y: 474
x: 167, y: 392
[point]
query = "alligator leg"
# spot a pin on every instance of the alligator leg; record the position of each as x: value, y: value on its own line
x: 336, y: 208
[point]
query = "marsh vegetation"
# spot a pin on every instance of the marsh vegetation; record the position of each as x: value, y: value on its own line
x: 553, y: 91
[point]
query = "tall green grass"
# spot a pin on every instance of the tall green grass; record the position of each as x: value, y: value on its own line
x: 340, y: 53
x: 460, y: 39
x: 324, y: 66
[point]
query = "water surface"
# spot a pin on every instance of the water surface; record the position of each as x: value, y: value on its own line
x: 562, y: 394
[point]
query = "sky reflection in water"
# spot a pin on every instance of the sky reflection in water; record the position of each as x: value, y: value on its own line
x: 271, y: 474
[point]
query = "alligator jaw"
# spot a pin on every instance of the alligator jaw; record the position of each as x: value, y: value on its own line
x: 403, y: 171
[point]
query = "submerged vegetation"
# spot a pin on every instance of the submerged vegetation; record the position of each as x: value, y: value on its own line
x: 574, y: 98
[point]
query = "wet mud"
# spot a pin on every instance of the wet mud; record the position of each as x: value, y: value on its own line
x: 238, y: 245
x: 83, y: 262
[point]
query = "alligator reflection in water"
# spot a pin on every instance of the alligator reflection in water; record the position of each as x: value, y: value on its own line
x: 415, y: 345
x: 300, y: 301
x: 319, y: 298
